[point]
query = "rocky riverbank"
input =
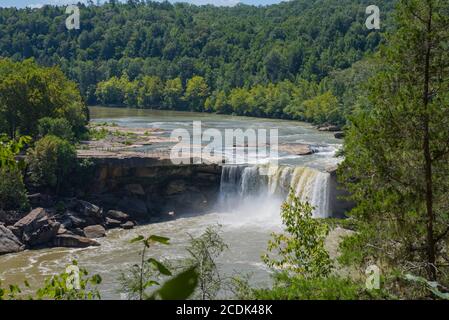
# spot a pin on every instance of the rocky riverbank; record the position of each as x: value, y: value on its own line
x: 76, y: 225
x: 122, y: 191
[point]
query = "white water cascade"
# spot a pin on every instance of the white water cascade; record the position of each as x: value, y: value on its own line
x: 244, y: 189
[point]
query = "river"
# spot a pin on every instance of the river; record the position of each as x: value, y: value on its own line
x: 248, y: 209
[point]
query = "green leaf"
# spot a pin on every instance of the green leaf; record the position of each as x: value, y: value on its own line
x: 150, y: 283
x: 160, y: 267
x: 137, y: 239
x: 96, y: 279
x: 180, y: 287
x: 155, y: 238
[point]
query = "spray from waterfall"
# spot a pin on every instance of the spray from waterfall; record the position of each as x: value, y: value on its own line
x: 254, y: 197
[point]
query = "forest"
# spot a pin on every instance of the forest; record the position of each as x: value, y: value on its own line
x: 299, y: 60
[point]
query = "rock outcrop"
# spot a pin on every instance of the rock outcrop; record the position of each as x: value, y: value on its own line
x: 36, y: 228
x: 8, y: 241
x: 146, y: 189
x: 73, y: 241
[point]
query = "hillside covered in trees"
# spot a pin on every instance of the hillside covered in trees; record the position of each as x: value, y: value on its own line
x: 299, y: 59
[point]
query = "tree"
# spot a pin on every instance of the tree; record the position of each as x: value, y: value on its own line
x: 204, y: 250
x: 12, y: 189
x: 173, y: 93
x: 322, y: 109
x: 397, y: 149
x: 196, y: 93
x: 50, y: 163
x: 300, y: 250
x: 150, y: 92
x: 58, y: 127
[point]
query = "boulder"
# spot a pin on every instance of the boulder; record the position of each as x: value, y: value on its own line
x: 62, y: 229
x: 75, y: 221
x: 73, y: 241
x: 9, y: 242
x: 10, y: 217
x: 339, y: 135
x: 96, y: 231
x: 89, y: 210
x: 117, y: 215
x: 112, y: 223
x: 128, y: 225
x: 36, y: 228
x: 297, y: 149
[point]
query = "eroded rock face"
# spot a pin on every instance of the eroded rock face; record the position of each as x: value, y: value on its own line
x: 135, y: 207
x: 8, y: 241
x: 36, y: 228
x: 148, y: 188
x: 73, y: 241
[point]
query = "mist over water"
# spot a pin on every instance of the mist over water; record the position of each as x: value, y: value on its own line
x: 254, y: 197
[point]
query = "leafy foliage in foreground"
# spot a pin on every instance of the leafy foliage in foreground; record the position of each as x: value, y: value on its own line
x: 325, y: 288
x: 300, y: 250
x: 146, y: 276
x: 204, y: 250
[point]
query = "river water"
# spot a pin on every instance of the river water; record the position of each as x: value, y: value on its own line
x: 248, y: 208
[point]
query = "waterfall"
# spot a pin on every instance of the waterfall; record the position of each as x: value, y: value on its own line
x: 244, y: 188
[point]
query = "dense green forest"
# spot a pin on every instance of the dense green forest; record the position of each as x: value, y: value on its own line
x: 292, y: 60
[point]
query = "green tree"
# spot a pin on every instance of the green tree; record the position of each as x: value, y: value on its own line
x: 300, y: 250
x: 196, y: 93
x: 29, y: 92
x: 110, y: 92
x: 397, y: 149
x: 204, y: 250
x: 322, y: 109
x: 58, y: 127
x: 50, y: 163
x: 173, y: 93
x: 12, y: 189
x: 150, y: 92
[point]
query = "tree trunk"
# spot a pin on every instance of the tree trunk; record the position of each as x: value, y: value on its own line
x: 431, y: 269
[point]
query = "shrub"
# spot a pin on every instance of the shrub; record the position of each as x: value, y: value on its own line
x: 58, y: 127
x: 12, y: 190
x: 300, y: 249
x: 50, y: 162
x: 329, y: 288
x: 204, y: 250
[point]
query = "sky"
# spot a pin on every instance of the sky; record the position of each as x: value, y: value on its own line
x: 39, y: 3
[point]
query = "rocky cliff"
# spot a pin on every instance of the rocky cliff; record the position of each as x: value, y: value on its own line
x: 148, y: 188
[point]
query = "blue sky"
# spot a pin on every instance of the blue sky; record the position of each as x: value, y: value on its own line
x: 34, y: 3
